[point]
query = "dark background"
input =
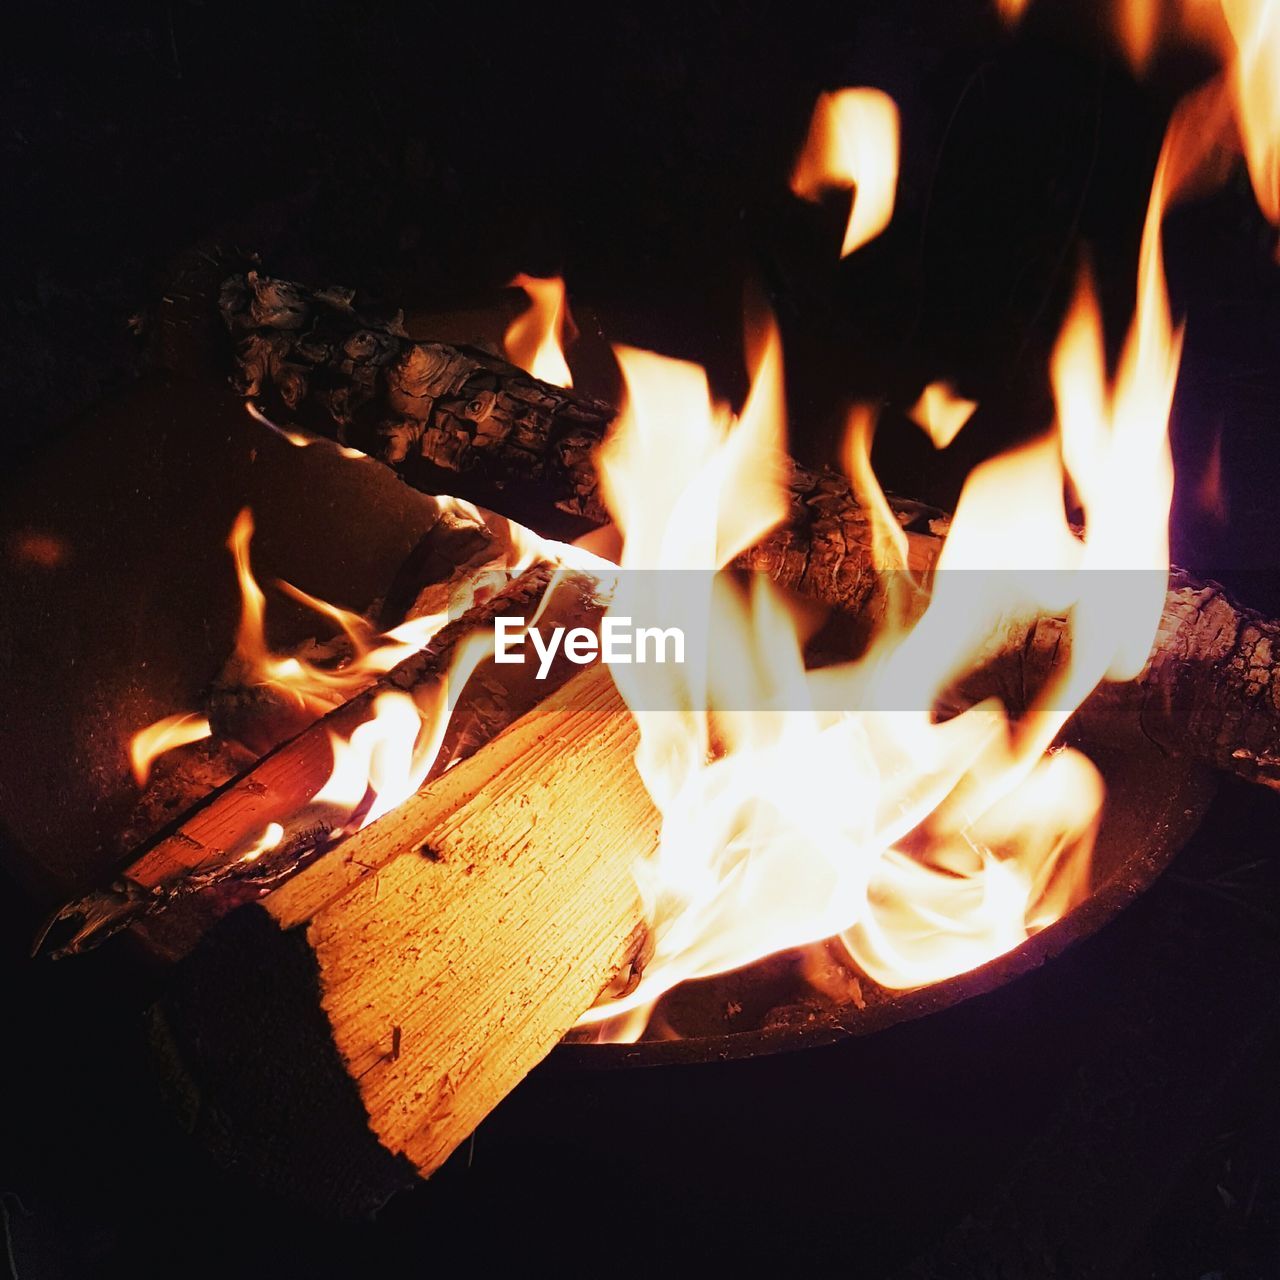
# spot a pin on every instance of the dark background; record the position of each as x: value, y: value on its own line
x: 1115, y: 1114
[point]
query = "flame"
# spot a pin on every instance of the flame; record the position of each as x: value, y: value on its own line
x: 1255, y: 81
x: 164, y: 735
x: 1138, y: 28
x: 1245, y: 36
x: 837, y: 803
x: 388, y: 756
x: 268, y: 840
x: 1210, y: 491
x: 941, y: 413
x: 535, y: 339
x: 313, y: 687
x: 867, y: 800
x: 852, y: 142
x: 300, y: 439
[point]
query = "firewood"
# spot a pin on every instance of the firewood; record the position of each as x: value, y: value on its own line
x: 372, y: 1011
x: 438, y: 414
x: 202, y: 856
x: 1210, y: 691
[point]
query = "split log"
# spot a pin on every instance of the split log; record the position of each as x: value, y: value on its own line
x: 352, y: 1029
x: 200, y: 863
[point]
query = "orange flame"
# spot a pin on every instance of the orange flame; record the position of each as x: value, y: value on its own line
x: 386, y: 758
x: 852, y: 142
x: 164, y: 735
x: 300, y: 439
x: 313, y: 687
x: 1138, y: 27
x: 1255, y: 80
x: 789, y: 823
x: 534, y: 340
x: 941, y: 413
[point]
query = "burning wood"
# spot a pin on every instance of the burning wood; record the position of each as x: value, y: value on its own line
x: 324, y: 783
x: 447, y: 926
x: 1203, y: 694
x: 442, y: 951
x: 431, y: 411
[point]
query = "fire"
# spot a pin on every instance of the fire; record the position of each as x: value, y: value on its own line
x: 940, y: 413
x: 314, y: 688
x: 268, y: 840
x: 800, y: 804
x: 864, y: 799
x: 387, y: 757
x: 300, y: 439
x: 1255, y: 80
x: 852, y: 142
x: 1245, y: 36
x: 535, y: 339
x: 165, y: 734
x: 1137, y: 24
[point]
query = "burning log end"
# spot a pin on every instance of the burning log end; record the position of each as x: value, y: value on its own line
x: 371, y: 1012
x: 254, y: 1071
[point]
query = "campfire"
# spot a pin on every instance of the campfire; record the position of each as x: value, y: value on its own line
x: 659, y: 724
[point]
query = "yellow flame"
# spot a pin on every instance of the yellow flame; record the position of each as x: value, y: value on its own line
x: 535, y: 339
x: 837, y: 803
x: 314, y: 687
x: 852, y: 142
x: 269, y: 839
x: 300, y: 439
x: 940, y: 413
x: 164, y: 735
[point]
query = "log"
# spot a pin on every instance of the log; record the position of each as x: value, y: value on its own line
x: 199, y: 863
x: 1210, y: 691
x: 440, y: 415
x: 353, y: 1028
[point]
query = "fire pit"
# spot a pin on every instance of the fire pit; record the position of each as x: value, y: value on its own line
x: 463, y: 717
